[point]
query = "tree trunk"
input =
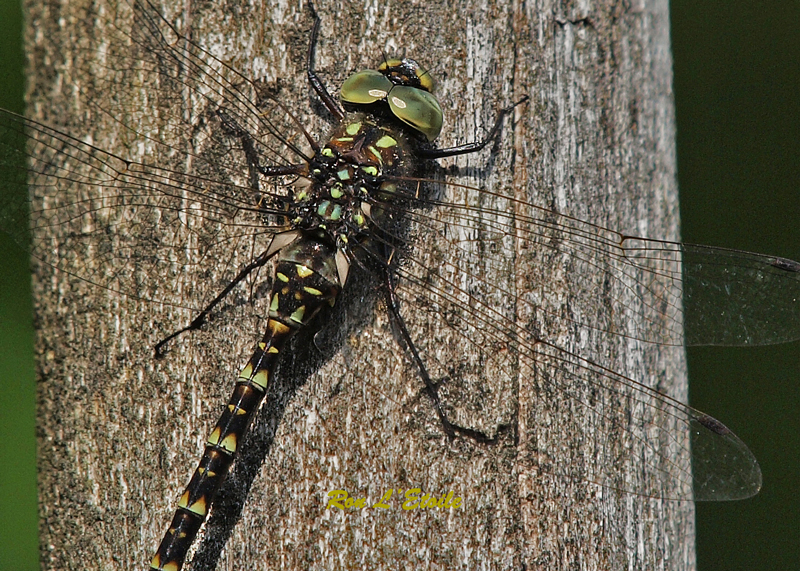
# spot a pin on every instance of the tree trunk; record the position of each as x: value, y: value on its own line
x: 120, y: 432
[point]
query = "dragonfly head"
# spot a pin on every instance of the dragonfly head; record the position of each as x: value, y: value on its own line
x: 404, y: 87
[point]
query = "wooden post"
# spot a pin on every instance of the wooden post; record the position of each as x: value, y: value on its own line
x: 120, y: 432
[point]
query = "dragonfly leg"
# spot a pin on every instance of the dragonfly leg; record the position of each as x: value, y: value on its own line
x: 233, y: 130
x: 327, y: 99
x: 200, y: 319
x: 474, y: 146
x: 430, y: 387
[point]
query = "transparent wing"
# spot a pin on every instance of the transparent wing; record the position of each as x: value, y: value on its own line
x: 698, y: 295
x: 96, y: 215
x: 616, y: 431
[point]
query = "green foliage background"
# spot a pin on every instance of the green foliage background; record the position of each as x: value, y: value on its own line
x: 18, y: 515
x: 737, y: 77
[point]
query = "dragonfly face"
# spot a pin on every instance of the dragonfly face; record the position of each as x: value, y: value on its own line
x: 525, y: 318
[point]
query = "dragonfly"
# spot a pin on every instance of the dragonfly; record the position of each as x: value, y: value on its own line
x: 215, y: 176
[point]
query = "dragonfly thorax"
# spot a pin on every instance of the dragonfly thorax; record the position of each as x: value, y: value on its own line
x: 354, y: 179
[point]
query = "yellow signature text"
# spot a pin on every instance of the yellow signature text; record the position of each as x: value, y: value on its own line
x: 414, y: 500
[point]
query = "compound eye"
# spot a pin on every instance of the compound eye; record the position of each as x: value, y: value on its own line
x: 417, y: 108
x: 365, y: 87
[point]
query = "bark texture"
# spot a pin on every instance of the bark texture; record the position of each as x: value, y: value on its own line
x: 120, y: 432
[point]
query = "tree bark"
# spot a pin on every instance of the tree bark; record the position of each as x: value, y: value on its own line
x: 119, y: 432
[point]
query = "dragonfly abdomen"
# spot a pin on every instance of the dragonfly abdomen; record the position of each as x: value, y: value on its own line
x: 306, y: 280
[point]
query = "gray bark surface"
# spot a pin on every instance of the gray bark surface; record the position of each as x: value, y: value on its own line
x: 120, y: 432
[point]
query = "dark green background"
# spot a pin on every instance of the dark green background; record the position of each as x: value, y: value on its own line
x: 737, y: 87
x: 737, y: 76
